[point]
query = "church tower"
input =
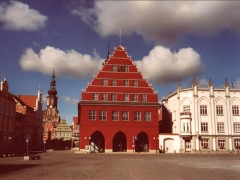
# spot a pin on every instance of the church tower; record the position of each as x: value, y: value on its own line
x: 51, y: 117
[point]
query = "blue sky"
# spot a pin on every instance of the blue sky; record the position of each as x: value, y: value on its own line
x: 169, y: 41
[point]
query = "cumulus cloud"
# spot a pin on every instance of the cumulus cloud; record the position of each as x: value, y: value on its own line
x: 164, y: 21
x: 65, y: 63
x: 19, y: 16
x: 69, y: 100
x: 163, y: 66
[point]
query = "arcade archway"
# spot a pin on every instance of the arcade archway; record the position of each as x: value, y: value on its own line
x: 97, y: 142
x: 141, y: 142
x: 119, y: 142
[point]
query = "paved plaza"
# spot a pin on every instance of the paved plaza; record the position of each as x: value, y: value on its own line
x: 69, y: 165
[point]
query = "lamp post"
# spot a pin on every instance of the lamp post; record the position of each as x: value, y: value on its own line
x: 10, y: 145
x: 27, y: 137
x: 44, y: 144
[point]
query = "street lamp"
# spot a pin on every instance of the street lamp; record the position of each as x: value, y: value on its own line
x: 27, y: 137
x: 44, y: 148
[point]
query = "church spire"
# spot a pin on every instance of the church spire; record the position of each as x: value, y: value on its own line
x: 52, y: 90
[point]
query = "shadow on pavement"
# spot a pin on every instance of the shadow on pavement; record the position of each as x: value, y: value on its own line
x: 7, y: 168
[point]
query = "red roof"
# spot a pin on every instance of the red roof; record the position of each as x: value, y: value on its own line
x: 29, y: 100
x: 75, y: 120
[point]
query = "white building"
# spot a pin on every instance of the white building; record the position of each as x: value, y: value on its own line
x: 201, y: 119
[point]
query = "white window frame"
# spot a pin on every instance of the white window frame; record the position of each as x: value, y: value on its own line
x: 219, y: 110
x: 221, y: 144
x: 237, y: 143
x: 135, y: 97
x: 114, y: 97
x: 135, y: 83
x: 95, y: 96
x: 114, y: 68
x: 205, y: 143
x: 102, y: 115
x: 236, y: 127
x: 126, y: 97
x: 105, y: 82
x: 203, y: 110
x: 144, y: 97
x: 104, y: 96
x: 114, y: 82
x: 204, y: 127
x: 125, y: 115
x: 235, y: 110
x: 147, y: 116
x: 186, y: 108
x: 137, y: 116
x: 115, y: 115
x: 220, y: 127
x: 92, y: 115
x: 126, y: 82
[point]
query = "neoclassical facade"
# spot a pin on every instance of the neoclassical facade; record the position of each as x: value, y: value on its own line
x: 201, y: 119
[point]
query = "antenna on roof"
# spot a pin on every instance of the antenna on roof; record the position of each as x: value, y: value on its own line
x: 120, y: 36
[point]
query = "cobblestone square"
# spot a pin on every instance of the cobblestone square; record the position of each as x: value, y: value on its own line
x: 70, y: 165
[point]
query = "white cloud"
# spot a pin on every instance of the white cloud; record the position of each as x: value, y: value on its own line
x: 70, y: 100
x: 164, y: 21
x: 202, y: 83
x: 65, y: 63
x: 19, y: 16
x: 163, y: 66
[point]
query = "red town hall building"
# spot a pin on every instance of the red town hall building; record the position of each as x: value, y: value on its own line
x: 118, y: 111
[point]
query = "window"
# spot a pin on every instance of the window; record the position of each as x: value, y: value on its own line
x: 92, y: 115
x: 115, y: 115
x: 220, y: 127
x: 137, y: 116
x: 235, y: 110
x: 103, y: 115
x: 144, y: 97
x: 147, y: 116
x: 126, y: 97
x: 237, y: 143
x: 203, y: 110
x: 221, y: 144
x: 186, y: 127
x: 126, y: 69
x: 114, y: 68
x: 205, y: 143
x: 125, y: 115
x: 114, y: 82
x: 105, y: 82
x: 104, y: 98
x: 135, y: 83
x: 236, y: 127
x: 114, y: 97
x: 219, y: 110
x: 204, y: 127
x: 95, y: 96
x: 186, y: 108
x: 126, y: 83
x: 135, y: 97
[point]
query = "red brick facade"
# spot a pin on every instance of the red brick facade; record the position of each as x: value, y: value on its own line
x: 119, y: 109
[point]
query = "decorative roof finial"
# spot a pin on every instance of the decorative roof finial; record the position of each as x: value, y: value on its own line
x: 210, y: 83
x: 120, y: 36
x: 194, y: 83
x: 226, y: 83
x: 178, y: 86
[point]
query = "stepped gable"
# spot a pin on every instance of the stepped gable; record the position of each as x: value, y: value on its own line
x: 119, y: 67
